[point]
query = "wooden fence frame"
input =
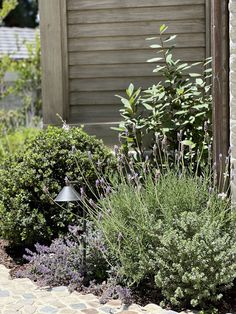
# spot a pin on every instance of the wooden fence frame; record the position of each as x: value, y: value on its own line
x: 53, y: 18
x: 220, y: 54
x: 53, y: 24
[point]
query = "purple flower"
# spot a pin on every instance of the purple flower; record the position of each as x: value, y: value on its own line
x: 82, y: 193
x: 108, y: 190
x: 116, y: 150
x: 97, y: 183
x: 91, y: 203
x: 164, y: 143
x: 124, y: 295
x: 102, y: 182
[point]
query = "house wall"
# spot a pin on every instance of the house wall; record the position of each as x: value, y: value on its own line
x: 232, y: 8
x: 93, y: 49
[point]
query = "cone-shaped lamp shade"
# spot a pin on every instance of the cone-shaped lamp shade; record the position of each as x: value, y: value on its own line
x: 67, y: 194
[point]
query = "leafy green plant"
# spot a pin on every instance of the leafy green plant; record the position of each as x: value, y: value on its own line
x: 10, y: 121
x: 12, y: 142
x: 179, y: 105
x: 7, y: 7
x: 28, y: 83
x: 28, y: 213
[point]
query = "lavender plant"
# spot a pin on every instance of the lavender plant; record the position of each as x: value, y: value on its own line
x: 168, y: 227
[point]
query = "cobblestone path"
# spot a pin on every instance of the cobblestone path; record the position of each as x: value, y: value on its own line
x: 21, y: 296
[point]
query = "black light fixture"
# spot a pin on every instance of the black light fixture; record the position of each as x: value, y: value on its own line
x: 69, y: 194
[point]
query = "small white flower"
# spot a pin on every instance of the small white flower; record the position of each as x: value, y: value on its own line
x: 222, y: 196
x: 66, y: 127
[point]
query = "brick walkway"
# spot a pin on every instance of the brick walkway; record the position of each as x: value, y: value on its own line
x: 21, y: 296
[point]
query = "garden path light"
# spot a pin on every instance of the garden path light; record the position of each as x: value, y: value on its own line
x: 69, y: 194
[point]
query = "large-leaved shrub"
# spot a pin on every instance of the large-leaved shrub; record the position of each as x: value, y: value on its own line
x: 28, y: 213
x: 177, y: 105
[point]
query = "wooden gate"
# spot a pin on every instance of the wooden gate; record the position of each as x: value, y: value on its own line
x: 93, y: 49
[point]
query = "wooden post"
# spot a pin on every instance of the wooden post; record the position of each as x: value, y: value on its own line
x: 53, y: 29
x: 220, y: 53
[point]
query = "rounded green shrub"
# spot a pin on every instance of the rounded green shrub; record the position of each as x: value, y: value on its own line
x: 172, y: 233
x: 31, y: 178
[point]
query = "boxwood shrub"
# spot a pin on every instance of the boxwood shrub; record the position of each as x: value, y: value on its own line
x: 31, y: 178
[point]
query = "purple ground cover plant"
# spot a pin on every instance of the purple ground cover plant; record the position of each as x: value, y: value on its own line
x: 61, y: 262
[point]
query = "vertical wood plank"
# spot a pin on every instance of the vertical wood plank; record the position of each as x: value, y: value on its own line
x: 232, y: 9
x: 53, y: 23
x: 220, y: 53
x: 208, y: 27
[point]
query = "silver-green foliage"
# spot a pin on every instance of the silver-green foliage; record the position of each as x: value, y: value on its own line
x: 172, y: 232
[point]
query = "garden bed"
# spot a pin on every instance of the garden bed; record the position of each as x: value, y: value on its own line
x: 12, y: 259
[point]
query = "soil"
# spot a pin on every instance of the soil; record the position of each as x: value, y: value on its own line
x: 11, y: 259
x: 5, y: 259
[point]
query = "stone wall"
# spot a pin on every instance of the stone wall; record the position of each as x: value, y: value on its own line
x: 232, y: 8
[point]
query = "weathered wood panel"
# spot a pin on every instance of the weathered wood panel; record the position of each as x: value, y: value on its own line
x: 136, y: 14
x: 102, y: 48
x: 111, y: 70
x: 107, y: 84
x: 130, y: 56
x: 95, y: 113
x: 102, y: 130
x: 109, y: 4
x: 133, y: 42
x: 118, y: 70
x: 136, y: 28
x: 95, y: 98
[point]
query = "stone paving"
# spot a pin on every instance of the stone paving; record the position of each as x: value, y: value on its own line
x: 22, y: 296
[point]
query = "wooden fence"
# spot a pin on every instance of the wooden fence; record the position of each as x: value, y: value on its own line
x: 93, y: 49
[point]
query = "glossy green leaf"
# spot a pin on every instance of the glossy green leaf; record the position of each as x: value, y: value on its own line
x: 170, y: 38
x: 163, y: 28
x: 155, y: 60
